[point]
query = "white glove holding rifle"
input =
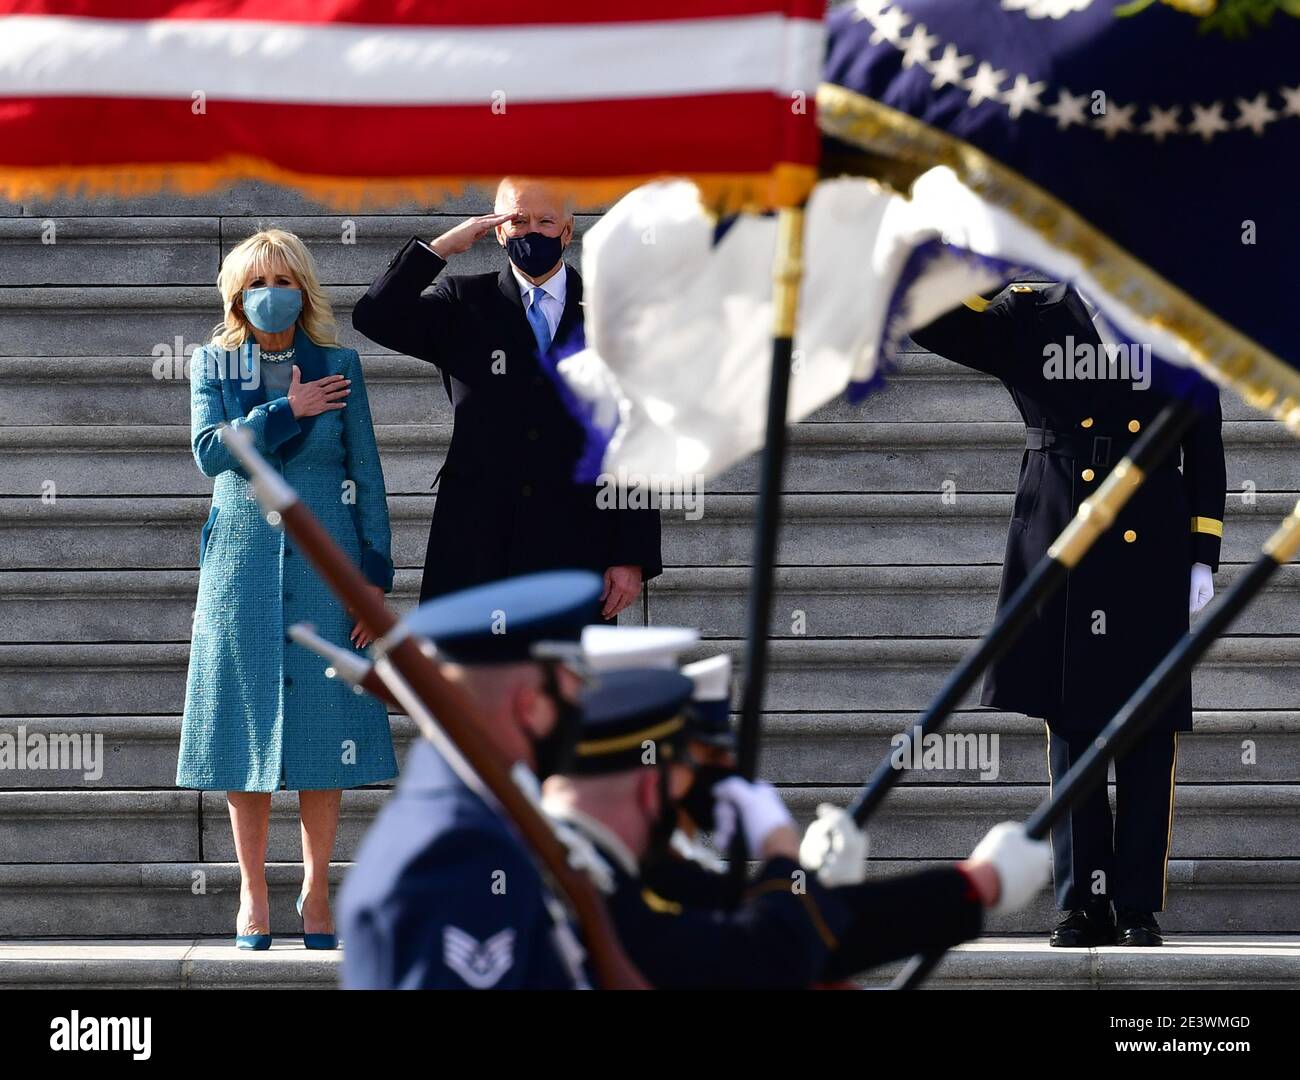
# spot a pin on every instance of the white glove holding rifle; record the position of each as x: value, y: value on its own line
x: 1023, y: 866
x: 835, y: 848
x: 755, y: 807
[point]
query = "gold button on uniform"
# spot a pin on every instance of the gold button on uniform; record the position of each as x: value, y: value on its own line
x: 1129, y: 536
x: 1088, y: 474
x: 1134, y: 426
x: 1086, y: 422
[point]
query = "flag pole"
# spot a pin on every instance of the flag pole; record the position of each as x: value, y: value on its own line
x: 1094, y: 517
x: 787, y: 272
x: 1137, y: 714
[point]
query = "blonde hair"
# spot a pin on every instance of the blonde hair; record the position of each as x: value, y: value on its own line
x: 261, y: 255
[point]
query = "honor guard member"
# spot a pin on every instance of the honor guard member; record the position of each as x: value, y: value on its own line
x: 1126, y: 603
x: 710, y: 750
x: 443, y: 893
x: 891, y: 917
x: 789, y: 930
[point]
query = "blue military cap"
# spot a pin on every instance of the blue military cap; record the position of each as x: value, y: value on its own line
x: 621, y: 711
x: 502, y: 622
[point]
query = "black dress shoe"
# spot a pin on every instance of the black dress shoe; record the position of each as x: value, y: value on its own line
x: 1084, y: 928
x: 1138, y: 928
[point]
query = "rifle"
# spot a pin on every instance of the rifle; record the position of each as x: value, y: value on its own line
x: 1142, y: 708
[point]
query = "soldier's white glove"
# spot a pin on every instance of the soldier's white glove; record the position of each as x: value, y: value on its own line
x: 1023, y: 865
x: 1202, y: 587
x: 756, y: 804
x: 835, y: 847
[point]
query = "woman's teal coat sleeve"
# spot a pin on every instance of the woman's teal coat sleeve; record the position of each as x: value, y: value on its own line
x: 363, y: 469
x: 270, y: 424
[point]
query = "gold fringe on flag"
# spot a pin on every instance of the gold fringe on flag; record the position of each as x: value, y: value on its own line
x: 785, y: 185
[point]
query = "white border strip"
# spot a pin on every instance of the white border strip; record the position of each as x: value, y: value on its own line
x: 240, y: 60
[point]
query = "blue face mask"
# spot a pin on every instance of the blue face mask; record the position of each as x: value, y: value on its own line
x: 272, y: 309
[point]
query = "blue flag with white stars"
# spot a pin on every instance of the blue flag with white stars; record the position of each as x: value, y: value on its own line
x: 1157, y: 140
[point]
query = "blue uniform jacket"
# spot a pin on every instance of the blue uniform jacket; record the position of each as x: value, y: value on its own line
x: 443, y: 895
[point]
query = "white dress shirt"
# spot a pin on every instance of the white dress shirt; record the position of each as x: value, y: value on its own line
x: 554, y: 291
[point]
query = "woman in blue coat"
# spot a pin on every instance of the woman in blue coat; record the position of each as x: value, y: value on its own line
x: 259, y: 713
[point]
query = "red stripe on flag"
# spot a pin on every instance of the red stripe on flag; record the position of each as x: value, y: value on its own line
x: 445, y: 13
x: 725, y: 133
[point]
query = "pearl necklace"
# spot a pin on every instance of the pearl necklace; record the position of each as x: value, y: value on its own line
x: 278, y: 357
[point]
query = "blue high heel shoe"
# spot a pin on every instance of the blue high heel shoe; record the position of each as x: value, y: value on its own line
x: 255, y: 942
x: 315, y: 941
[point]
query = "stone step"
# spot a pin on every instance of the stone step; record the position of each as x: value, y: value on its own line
x: 125, y: 320
x: 153, y: 389
x: 864, y: 458
x: 845, y: 748
x: 122, y: 899
x: 349, y: 249
x: 162, y: 963
x: 1213, y: 961
x: 138, y: 532
x: 893, y: 601
x: 806, y: 675
x: 1198, y: 961
x: 1255, y: 821
x: 147, y: 387
x: 1210, y: 820
x: 242, y: 198
x: 925, y: 387
x: 1244, y: 747
x: 866, y: 601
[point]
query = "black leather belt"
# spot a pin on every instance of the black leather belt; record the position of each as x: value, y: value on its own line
x: 1102, y: 450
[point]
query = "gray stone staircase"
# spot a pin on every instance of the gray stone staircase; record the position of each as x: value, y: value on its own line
x: 121, y: 879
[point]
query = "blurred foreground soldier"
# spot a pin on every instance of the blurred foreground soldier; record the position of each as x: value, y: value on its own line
x: 507, y: 503
x: 789, y: 930
x: 443, y: 894
x: 1123, y: 607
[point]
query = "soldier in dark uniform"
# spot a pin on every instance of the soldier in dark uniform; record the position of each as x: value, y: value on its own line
x: 507, y: 502
x: 443, y: 893
x: 788, y: 930
x: 1123, y: 607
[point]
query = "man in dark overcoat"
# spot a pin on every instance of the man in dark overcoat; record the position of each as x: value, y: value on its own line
x: 1123, y: 607
x: 507, y: 501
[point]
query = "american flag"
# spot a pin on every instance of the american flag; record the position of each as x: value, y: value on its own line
x: 356, y: 101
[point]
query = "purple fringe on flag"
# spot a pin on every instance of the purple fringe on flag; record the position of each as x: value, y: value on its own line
x: 918, y: 262
x: 595, y: 439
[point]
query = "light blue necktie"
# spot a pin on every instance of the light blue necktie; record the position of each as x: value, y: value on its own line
x: 537, y: 320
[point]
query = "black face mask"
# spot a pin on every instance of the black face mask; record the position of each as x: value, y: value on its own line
x: 554, y: 752
x: 697, y: 803
x: 534, y: 253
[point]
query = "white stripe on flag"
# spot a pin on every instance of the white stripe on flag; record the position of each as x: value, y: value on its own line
x: 42, y: 56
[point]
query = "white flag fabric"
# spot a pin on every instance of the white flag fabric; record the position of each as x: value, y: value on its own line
x: 672, y: 382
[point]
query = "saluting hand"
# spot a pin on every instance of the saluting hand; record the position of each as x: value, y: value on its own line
x: 314, y: 398
x: 460, y: 239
